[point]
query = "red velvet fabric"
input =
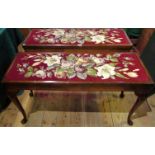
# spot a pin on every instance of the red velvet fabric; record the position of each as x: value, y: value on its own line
x: 120, y: 34
x: 14, y: 75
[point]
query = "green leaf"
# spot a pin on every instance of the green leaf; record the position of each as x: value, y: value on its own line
x: 71, y: 73
x: 50, y: 67
x: 28, y: 74
x: 82, y: 76
x: 116, y: 55
x: 113, y: 64
x: 71, y: 57
x: 60, y: 69
x: 87, y: 38
x: 30, y: 69
x: 108, y: 56
x: 121, y: 75
x: 114, y: 59
x: 91, y: 72
x: 70, y: 70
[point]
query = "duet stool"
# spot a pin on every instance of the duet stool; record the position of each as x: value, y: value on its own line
x: 77, y: 38
x: 71, y: 71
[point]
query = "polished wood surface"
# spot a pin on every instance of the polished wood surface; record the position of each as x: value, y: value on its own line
x: 58, y: 48
x: 61, y: 109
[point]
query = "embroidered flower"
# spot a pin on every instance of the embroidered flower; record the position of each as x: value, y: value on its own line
x: 60, y: 73
x: 59, y: 32
x: 52, y: 60
x: 49, y: 74
x: 78, y: 36
x: 79, y: 69
x: 105, y: 71
x: 67, y: 64
x: 98, y: 60
x: 51, y: 40
x: 79, y: 33
x: 40, y: 74
x: 98, y: 39
x: 92, y: 32
x: 81, y: 60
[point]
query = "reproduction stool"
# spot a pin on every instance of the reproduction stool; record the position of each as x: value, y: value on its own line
x: 77, y: 38
x: 66, y: 71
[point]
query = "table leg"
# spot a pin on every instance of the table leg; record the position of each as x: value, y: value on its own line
x: 121, y: 94
x: 13, y: 97
x: 139, y: 101
x: 31, y: 93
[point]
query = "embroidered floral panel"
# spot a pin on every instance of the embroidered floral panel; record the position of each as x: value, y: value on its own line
x: 77, y: 37
x: 101, y: 67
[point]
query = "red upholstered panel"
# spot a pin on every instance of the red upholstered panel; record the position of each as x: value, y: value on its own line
x: 115, y: 68
x: 76, y: 37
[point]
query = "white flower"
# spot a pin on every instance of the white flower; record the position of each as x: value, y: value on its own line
x: 54, y: 59
x: 69, y: 35
x: 79, y: 33
x: 98, y: 39
x: 50, y: 40
x: 98, y: 60
x: 105, y: 71
x: 67, y: 64
x: 81, y: 60
x: 40, y: 73
x: 92, y: 32
x: 59, y: 32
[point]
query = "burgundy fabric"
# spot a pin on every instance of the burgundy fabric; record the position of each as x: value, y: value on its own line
x: 121, y: 34
x: 14, y: 75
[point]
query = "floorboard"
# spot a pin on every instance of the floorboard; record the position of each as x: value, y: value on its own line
x: 61, y: 109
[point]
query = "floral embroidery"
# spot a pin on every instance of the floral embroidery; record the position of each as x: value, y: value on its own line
x: 131, y: 74
x: 105, y: 71
x: 77, y: 36
x: 98, y: 39
x: 40, y: 74
x: 54, y: 59
x: 81, y: 66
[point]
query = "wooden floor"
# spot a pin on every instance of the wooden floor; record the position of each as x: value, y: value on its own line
x: 60, y: 109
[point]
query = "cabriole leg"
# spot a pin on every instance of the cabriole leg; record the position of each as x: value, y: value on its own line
x: 121, y: 94
x: 139, y: 101
x: 31, y: 93
x: 13, y: 97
